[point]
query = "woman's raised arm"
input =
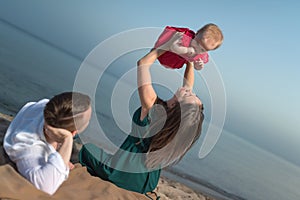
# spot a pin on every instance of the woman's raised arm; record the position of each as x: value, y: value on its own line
x: 146, y: 92
x: 188, y: 80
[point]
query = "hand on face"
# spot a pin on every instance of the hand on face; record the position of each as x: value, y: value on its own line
x: 56, y: 134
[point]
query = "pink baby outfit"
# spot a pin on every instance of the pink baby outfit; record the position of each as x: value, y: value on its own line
x: 173, y: 60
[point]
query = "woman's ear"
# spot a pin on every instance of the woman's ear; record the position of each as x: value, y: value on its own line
x: 74, y: 132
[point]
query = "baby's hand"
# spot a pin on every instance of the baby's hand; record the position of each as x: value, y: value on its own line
x: 198, y: 64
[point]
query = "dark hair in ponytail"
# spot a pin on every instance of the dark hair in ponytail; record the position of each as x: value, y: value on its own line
x: 64, y: 109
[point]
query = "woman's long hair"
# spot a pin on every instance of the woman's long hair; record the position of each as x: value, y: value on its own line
x: 181, y: 127
x: 65, y: 110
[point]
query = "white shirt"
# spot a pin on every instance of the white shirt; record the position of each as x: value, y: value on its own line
x: 25, y: 144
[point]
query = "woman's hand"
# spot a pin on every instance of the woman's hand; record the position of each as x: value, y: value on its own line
x: 56, y: 134
x: 61, y: 139
x: 174, y: 43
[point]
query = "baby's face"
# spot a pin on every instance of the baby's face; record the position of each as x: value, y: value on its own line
x: 203, y: 43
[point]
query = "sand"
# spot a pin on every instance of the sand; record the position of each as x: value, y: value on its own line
x: 80, y: 184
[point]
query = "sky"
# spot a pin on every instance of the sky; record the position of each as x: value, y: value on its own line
x: 258, y: 60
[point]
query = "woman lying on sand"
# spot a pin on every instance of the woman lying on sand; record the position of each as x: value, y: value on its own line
x: 162, y: 132
x: 40, y: 138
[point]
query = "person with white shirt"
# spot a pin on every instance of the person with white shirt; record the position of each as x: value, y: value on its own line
x: 40, y: 138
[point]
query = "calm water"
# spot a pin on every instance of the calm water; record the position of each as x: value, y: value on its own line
x: 31, y: 69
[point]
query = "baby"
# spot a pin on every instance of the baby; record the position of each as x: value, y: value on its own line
x: 191, y: 47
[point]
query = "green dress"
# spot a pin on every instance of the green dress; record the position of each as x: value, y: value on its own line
x: 126, y: 167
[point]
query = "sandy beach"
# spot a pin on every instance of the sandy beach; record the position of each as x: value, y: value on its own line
x: 80, y: 185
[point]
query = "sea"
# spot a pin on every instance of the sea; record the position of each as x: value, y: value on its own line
x: 32, y: 68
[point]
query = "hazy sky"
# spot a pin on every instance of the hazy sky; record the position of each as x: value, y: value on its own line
x: 258, y: 60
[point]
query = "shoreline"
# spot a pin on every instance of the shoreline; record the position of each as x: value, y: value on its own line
x: 200, y: 186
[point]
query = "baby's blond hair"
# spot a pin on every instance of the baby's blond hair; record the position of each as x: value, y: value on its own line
x: 211, y: 30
